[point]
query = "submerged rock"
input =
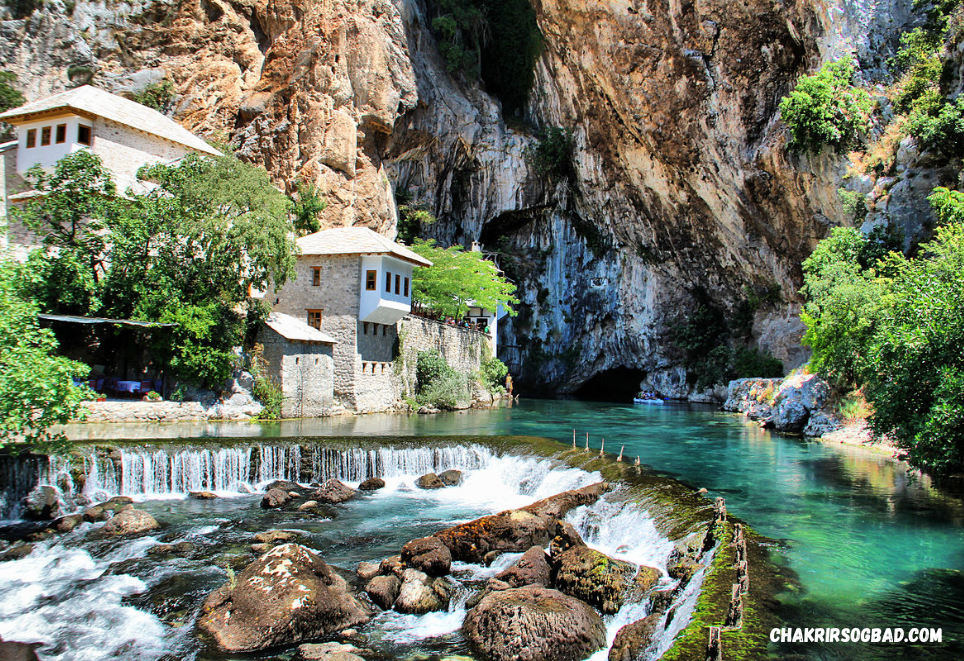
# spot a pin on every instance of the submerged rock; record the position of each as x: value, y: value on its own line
x: 16, y: 552
x: 308, y: 505
x: 179, y: 548
x: 429, y: 481
x: 274, y: 499
x: 42, y: 504
x: 451, y: 477
x: 130, y: 522
x: 202, y: 495
x: 287, y: 595
x: 372, y: 484
x: 421, y: 594
x: 327, y: 652
x: 531, y: 569
x: 384, y: 590
x: 334, y: 492
x: 428, y: 555
x: 533, y: 623
x: 633, y: 639
x: 67, y: 523
x: 597, y: 579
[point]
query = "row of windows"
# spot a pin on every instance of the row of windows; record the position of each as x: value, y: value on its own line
x: 374, y: 326
x: 60, y: 135
x: 401, y: 284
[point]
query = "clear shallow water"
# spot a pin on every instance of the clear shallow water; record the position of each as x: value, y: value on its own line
x: 871, y: 544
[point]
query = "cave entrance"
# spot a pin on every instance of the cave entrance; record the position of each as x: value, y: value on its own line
x: 619, y: 384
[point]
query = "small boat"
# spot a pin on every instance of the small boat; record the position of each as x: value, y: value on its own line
x: 646, y: 398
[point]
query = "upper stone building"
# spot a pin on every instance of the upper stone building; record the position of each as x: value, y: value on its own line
x: 355, y: 285
x: 124, y: 134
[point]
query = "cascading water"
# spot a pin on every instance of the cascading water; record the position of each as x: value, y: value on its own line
x: 17, y: 476
x: 83, y: 581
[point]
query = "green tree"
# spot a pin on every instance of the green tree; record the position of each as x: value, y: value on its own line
x: 827, y: 108
x: 159, y: 96
x: 10, y: 97
x: 36, y: 386
x: 308, y: 205
x: 457, y: 278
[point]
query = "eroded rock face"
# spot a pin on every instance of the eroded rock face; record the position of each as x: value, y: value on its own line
x: 428, y: 555
x: 333, y: 491
x: 633, y: 639
x: 421, y: 594
x: 533, y: 623
x: 42, y: 504
x: 531, y: 569
x: 287, y: 595
x: 594, y: 577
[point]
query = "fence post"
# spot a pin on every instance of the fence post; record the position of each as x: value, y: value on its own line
x: 714, y: 646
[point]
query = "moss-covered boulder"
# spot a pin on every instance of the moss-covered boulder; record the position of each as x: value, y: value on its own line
x: 599, y: 580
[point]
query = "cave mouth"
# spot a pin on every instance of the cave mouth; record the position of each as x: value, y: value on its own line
x: 619, y: 384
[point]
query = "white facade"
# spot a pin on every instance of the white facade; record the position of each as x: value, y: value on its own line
x: 48, y: 130
x: 481, y: 318
x: 390, y: 298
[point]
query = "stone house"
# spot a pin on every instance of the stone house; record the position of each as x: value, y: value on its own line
x: 124, y: 134
x: 300, y: 360
x: 356, y: 286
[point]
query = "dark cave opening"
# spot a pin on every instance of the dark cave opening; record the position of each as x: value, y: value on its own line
x: 618, y: 384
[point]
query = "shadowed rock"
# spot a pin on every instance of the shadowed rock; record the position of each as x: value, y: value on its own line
x: 286, y: 596
x: 274, y: 498
x: 372, y: 484
x: 599, y: 580
x: 384, y: 590
x: 42, y: 504
x: 333, y: 491
x: 533, y: 624
x: 531, y: 569
x: 633, y: 639
x: 428, y: 555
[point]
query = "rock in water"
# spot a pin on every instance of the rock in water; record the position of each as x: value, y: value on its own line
x: 428, y: 555
x: 595, y: 578
x: 383, y: 590
x: 559, y: 505
x: 18, y: 651
x: 451, y: 477
x: 533, y: 624
x: 372, y: 484
x: 202, y: 495
x: 429, y: 481
x: 274, y: 498
x: 42, y: 504
x: 531, y: 569
x: 367, y: 570
x: 287, y: 595
x: 130, y: 522
x: 333, y: 491
x: 420, y: 594
x: 633, y: 639
x: 328, y: 652
x: 283, y: 485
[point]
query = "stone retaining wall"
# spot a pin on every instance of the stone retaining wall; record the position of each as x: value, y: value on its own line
x: 167, y: 411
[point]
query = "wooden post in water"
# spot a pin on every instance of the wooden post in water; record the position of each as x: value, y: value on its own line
x: 602, y: 448
x: 743, y: 576
x: 741, y: 550
x: 738, y: 533
x: 714, y: 646
x: 620, y: 457
x: 639, y: 467
x: 734, y: 614
x: 719, y: 510
x: 587, y: 442
x: 573, y: 439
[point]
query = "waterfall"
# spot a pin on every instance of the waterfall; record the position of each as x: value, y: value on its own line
x: 166, y: 471
x: 18, y: 475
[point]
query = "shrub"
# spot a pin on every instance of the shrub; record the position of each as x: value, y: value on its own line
x: 827, y: 109
x: 265, y: 391
x: 854, y: 205
x: 551, y: 156
x: 439, y: 385
x: 941, y: 130
x: 755, y: 363
x: 493, y: 372
x: 158, y: 96
x: 154, y: 396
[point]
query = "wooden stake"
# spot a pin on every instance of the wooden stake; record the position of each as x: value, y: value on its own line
x: 734, y: 615
x: 714, y: 646
x: 743, y: 577
x: 602, y: 448
x: 620, y: 457
x: 587, y: 442
x: 573, y: 439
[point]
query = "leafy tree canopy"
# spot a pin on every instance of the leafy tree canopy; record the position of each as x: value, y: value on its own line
x: 457, y: 278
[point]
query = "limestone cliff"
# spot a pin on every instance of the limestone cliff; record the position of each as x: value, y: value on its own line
x: 681, y: 181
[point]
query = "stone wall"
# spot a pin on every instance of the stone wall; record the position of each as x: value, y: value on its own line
x: 305, y: 372
x: 124, y: 150
x: 166, y: 411
x: 337, y: 297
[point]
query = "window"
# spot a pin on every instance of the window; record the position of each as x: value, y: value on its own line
x: 370, y: 280
x: 364, y: 328
x: 31, y: 138
x: 315, y: 276
x: 61, y: 134
x: 406, y: 287
x: 398, y: 284
x: 388, y: 282
x: 83, y: 134
x: 314, y: 318
x: 45, y: 136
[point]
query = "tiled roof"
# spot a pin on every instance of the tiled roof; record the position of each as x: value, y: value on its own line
x: 94, y: 101
x: 356, y: 241
x: 291, y: 328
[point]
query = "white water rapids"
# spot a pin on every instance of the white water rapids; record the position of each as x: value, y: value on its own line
x: 69, y: 596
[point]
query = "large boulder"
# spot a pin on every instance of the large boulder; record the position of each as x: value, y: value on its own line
x: 372, y: 484
x: 451, y: 477
x: 597, y: 579
x: 367, y: 570
x: 633, y: 639
x: 130, y: 522
x: 42, y: 504
x: 429, y: 555
x: 333, y: 491
x: 566, y: 536
x: 531, y: 569
x: 384, y: 590
x: 284, y: 485
x: 516, y: 531
x: 274, y: 499
x: 533, y: 624
x: 421, y: 594
x: 287, y: 595
x: 798, y: 397
x: 429, y: 481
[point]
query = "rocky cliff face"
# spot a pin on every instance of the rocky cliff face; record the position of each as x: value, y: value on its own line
x: 680, y: 183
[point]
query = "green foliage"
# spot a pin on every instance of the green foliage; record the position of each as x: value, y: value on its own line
x: 497, y: 41
x: 919, y: 60
x: 36, y: 386
x: 458, y: 277
x: 154, y: 396
x: 411, y: 218
x: 80, y: 74
x: 551, y: 156
x: 308, y: 205
x: 493, y: 372
x: 939, y: 125
x: 265, y: 390
x: 9, y: 96
x: 827, y: 109
x: 186, y: 252
x: 751, y: 362
x: 158, y: 96
x: 854, y: 205
x: 439, y: 385
x: 754, y: 298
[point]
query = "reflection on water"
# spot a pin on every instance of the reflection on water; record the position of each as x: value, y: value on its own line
x: 872, y: 543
